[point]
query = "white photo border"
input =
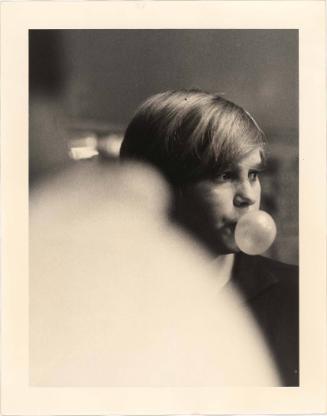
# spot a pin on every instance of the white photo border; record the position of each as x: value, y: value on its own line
x: 16, y: 19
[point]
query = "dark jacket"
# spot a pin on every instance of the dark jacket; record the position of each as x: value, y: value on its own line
x: 271, y: 290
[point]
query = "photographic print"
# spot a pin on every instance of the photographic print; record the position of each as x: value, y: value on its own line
x: 199, y: 124
x: 168, y: 226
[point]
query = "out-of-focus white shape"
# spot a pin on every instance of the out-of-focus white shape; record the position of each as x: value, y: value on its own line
x: 86, y: 139
x: 84, y: 146
x: 110, y: 145
x: 78, y: 153
x: 255, y: 232
x: 120, y: 297
x: 143, y: 188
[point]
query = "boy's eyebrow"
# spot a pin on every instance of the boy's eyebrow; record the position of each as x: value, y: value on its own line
x: 258, y: 166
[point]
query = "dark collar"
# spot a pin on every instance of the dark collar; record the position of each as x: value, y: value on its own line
x: 252, y: 275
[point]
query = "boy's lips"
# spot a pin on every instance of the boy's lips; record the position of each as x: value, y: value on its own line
x: 229, y: 227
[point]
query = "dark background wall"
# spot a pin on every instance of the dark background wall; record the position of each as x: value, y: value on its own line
x: 113, y: 71
x: 93, y: 80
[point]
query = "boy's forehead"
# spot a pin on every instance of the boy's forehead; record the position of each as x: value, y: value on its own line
x: 253, y: 158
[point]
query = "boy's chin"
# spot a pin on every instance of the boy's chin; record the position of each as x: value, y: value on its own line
x: 228, y: 246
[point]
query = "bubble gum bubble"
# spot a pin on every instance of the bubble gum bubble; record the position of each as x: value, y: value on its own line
x: 255, y: 232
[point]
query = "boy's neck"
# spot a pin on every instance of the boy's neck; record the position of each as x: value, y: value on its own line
x: 224, y: 265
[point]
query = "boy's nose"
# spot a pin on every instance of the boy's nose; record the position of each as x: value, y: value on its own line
x: 245, y: 195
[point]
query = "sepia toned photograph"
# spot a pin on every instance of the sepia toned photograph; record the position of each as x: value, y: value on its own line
x: 163, y: 220
x: 143, y: 143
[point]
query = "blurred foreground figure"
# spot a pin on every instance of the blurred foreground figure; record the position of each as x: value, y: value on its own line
x: 120, y: 297
x: 212, y: 152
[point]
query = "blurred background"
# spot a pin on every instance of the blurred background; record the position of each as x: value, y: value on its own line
x: 85, y: 85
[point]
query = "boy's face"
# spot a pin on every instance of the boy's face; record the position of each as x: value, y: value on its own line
x: 220, y: 202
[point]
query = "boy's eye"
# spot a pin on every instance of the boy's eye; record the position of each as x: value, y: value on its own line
x: 225, y: 176
x: 253, y: 175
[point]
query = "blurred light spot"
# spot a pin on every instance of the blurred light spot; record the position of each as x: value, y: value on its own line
x: 109, y: 145
x: 78, y: 153
x: 83, y: 146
